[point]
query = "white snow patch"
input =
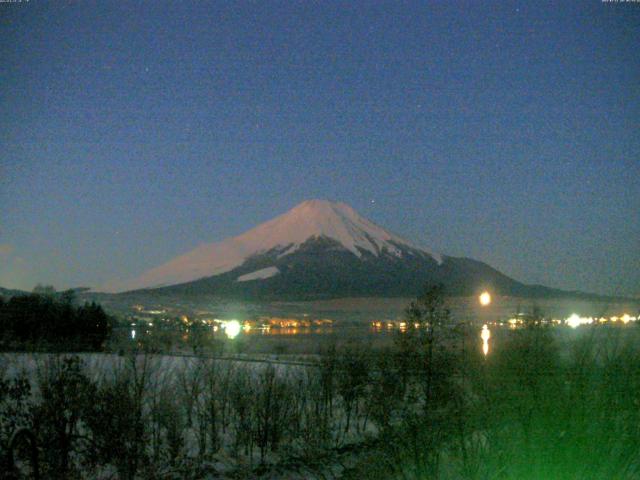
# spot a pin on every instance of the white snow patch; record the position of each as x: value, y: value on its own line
x: 259, y: 274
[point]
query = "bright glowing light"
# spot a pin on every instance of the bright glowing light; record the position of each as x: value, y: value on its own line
x: 575, y: 320
x: 625, y: 318
x: 485, y: 298
x: 232, y: 328
x: 133, y: 334
x: 485, y: 334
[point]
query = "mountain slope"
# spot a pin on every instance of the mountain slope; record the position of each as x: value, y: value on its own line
x: 321, y: 249
x: 282, y: 235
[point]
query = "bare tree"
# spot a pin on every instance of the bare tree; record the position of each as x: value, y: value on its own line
x: 272, y: 407
x: 65, y: 392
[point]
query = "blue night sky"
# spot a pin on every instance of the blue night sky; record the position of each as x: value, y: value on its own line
x: 508, y: 132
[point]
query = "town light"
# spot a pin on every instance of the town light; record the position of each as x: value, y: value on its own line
x: 574, y: 321
x: 232, y: 328
x: 485, y: 298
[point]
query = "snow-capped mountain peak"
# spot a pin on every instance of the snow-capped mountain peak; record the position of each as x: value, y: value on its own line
x: 309, y: 219
x: 317, y: 218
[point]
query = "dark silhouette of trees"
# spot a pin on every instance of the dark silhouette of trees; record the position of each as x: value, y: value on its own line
x: 116, y: 421
x: 52, y: 320
x: 65, y: 394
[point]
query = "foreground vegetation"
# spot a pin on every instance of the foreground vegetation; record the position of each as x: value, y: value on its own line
x: 428, y: 408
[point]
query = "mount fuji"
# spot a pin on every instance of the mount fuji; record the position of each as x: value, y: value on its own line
x: 321, y: 249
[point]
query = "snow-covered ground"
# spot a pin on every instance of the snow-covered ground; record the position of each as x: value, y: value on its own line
x: 186, y: 378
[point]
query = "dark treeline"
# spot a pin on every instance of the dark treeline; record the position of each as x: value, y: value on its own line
x: 52, y: 320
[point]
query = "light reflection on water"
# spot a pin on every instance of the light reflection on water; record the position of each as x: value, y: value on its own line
x: 376, y: 334
x: 383, y: 330
x: 485, y: 335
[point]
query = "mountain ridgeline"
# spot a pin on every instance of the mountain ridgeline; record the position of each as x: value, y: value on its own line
x: 321, y: 249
